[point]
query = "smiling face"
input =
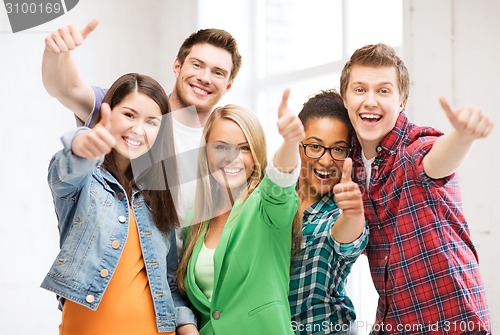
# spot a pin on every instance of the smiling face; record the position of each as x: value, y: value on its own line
x: 319, y: 175
x: 203, y: 78
x: 135, y: 123
x: 374, y: 102
x: 229, y: 156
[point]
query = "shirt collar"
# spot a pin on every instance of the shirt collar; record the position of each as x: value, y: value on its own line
x: 391, y: 141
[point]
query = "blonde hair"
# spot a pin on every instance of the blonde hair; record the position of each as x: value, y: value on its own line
x: 206, y: 187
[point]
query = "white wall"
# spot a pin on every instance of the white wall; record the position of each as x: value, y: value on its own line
x: 134, y: 36
x: 451, y: 49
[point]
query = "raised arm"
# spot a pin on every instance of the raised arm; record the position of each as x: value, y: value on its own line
x: 292, y: 130
x: 59, y: 73
x: 449, y: 151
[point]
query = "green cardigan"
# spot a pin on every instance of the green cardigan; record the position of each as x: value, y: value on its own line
x: 251, y: 267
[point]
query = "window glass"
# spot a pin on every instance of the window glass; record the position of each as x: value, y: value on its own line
x: 370, y: 22
x: 301, y: 34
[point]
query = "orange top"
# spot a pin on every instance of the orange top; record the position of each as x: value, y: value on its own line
x: 127, y: 305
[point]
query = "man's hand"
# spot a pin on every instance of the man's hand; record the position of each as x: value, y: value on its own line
x: 469, y: 121
x: 66, y: 39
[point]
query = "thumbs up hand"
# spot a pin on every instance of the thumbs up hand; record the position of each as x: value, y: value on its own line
x: 289, y: 125
x: 469, y: 121
x: 67, y: 38
x: 98, y: 141
x: 349, y: 199
x: 292, y: 130
x: 347, y: 193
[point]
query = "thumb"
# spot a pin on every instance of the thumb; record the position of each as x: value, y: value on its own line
x: 447, y: 108
x: 347, y: 170
x: 105, y: 120
x: 89, y: 28
x: 284, y: 102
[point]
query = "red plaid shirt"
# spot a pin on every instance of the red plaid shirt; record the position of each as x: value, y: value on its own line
x: 422, y: 260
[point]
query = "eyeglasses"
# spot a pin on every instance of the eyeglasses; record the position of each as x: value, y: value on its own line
x: 317, y: 151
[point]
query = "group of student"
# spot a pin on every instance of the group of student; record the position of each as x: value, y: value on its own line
x: 151, y: 242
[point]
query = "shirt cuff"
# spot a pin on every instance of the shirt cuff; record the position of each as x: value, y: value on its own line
x: 283, y: 179
x: 76, y: 163
x: 354, y: 248
x: 184, y: 316
x: 67, y: 138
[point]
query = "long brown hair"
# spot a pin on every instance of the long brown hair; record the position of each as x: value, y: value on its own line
x: 155, y: 172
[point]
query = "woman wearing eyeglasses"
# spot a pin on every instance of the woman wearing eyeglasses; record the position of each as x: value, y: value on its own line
x: 333, y: 222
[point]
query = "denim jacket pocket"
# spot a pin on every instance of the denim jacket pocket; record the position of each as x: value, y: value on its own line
x: 101, y: 192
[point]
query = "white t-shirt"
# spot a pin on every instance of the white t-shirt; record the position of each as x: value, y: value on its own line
x: 187, y: 144
x: 368, y: 168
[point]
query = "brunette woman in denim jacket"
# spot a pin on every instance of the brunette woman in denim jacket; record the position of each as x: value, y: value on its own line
x: 116, y: 214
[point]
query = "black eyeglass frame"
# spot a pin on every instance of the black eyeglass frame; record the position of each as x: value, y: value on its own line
x: 325, y: 149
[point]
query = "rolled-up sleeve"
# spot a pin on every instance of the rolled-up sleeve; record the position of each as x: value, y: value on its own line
x: 354, y: 248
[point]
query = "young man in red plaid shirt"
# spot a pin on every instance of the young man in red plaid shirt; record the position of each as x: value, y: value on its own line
x: 422, y: 260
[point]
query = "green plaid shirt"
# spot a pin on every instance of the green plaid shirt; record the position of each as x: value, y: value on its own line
x: 318, y: 300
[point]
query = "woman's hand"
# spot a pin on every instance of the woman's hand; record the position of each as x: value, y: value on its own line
x: 98, y: 141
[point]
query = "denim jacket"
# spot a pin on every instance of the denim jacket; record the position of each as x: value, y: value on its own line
x: 93, y: 216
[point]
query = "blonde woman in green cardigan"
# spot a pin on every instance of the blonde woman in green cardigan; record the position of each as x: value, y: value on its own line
x: 236, y: 262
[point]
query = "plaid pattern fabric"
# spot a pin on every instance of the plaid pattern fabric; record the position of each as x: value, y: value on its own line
x: 318, y: 300
x: 422, y: 260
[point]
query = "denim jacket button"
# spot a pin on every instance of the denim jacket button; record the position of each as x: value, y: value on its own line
x: 122, y: 218
x: 104, y: 273
x: 120, y: 196
x: 90, y: 298
x: 115, y: 244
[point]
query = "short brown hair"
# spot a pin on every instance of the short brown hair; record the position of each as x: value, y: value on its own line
x: 218, y: 38
x: 377, y: 55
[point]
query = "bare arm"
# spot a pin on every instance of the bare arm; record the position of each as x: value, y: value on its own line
x: 450, y: 150
x: 59, y: 73
x: 292, y: 130
x: 188, y: 329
